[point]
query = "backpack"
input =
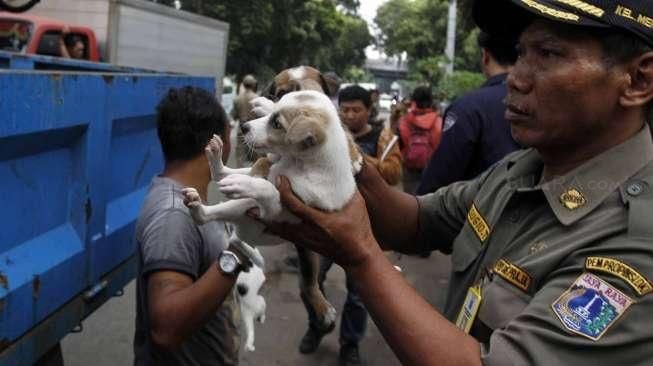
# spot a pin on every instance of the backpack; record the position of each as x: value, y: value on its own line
x: 418, y: 141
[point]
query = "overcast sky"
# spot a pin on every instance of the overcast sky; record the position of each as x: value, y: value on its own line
x: 368, y: 12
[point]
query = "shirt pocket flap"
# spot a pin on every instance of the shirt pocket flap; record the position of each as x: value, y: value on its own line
x: 466, y: 249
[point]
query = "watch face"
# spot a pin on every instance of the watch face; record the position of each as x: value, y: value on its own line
x: 228, y: 262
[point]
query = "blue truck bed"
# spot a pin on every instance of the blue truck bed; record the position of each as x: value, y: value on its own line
x: 78, y: 148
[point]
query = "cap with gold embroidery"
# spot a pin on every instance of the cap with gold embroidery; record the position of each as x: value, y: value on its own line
x: 503, y: 17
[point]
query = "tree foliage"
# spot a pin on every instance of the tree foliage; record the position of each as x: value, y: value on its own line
x: 268, y: 36
x: 418, y: 29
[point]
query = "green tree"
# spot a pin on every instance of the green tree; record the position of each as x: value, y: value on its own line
x: 418, y: 28
x: 355, y: 74
x: 268, y: 36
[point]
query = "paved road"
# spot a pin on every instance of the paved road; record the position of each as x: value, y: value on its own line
x: 107, y: 336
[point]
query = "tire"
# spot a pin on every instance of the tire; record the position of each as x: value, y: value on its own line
x: 10, y: 5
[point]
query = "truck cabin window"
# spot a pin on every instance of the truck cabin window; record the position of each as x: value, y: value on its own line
x: 76, y: 45
x: 14, y: 35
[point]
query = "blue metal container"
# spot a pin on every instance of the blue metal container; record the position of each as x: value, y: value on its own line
x: 78, y: 149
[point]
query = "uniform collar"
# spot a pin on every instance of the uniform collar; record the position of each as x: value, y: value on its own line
x: 579, y: 192
x: 496, y: 80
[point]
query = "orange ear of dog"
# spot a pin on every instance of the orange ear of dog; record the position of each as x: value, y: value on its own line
x: 306, y: 133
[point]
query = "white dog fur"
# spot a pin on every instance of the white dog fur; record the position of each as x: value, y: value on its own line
x: 307, y: 143
x: 252, y: 305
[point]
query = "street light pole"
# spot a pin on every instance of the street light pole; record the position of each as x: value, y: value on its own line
x: 450, y: 50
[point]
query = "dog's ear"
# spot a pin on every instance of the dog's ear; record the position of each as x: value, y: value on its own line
x: 305, y: 132
x: 329, y: 86
x: 270, y: 91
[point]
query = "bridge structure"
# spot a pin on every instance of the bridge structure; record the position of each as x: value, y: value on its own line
x: 387, y: 71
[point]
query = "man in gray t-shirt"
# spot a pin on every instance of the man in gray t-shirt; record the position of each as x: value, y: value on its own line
x: 186, y: 314
x: 168, y: 239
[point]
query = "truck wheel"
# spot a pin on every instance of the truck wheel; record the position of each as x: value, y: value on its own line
x: 17, y: 6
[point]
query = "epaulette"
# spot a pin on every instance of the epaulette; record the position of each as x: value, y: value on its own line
x: 638, y: 193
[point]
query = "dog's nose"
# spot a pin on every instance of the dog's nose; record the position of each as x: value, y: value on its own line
x: 244, y: 128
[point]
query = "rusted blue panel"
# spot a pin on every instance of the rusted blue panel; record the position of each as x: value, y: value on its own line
x: 77, y: 151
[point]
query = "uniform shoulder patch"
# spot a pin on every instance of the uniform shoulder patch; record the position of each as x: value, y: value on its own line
x: 449, y: 121
x: 590, y: 306
x: 620, y: 269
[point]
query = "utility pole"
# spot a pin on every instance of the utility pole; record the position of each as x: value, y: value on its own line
x: 450, y: 50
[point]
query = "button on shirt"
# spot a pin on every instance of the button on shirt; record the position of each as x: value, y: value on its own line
x: 564, y: 267
x: 475, y: 136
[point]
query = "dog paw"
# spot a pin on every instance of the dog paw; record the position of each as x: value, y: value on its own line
x: 250, y: 348
x: 261, y: 106
x: 213, y: 153
x: 328, y: 322
x: 193, y: 201
x: 237, y: 186
x: 261, y: 319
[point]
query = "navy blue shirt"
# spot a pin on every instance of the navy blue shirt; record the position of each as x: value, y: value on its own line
x: 475, y: 136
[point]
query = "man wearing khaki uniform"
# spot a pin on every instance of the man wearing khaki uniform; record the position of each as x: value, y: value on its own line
x: 552, y: 247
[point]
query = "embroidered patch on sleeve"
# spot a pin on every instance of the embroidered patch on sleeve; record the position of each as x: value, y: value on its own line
x: 590, y: 306
x: 478, y: 223
x: 449, y: 121
x: 620, y: 269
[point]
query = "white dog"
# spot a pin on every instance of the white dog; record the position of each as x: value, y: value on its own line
x: 306, y: 142
x: 252, y: 305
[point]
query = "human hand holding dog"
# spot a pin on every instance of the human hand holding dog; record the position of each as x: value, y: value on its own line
x: 345, y: 236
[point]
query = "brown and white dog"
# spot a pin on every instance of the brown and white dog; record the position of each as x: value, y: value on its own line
x: 296, y: 79
x: 304, y: 140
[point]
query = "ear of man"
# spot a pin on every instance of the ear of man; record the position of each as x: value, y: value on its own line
x: 638, y: 90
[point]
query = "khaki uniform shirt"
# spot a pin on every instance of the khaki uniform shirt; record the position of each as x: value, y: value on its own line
x: 564, y: 268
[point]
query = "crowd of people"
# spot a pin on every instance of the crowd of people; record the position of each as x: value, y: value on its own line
x: 538, y: 185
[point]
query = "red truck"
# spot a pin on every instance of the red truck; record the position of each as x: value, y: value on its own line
x: 36, y: 35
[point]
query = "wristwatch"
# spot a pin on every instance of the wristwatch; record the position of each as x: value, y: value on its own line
x: 228, y: 262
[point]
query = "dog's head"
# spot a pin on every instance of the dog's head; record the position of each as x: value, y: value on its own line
x: 300, y: 123
x: 296, y: 79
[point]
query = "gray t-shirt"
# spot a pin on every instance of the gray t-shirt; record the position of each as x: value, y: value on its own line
x: 168, y: 239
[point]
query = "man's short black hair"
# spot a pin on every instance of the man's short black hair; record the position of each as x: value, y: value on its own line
x: 619, y: 47
x: 353, y: 93
x: 422, y: 96
x: 187, y: 118
x: 504, y: 51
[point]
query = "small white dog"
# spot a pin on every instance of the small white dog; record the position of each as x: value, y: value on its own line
x: 306, y: 142
x: 252, y: 305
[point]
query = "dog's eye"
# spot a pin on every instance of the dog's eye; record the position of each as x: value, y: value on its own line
x: 274, y: 122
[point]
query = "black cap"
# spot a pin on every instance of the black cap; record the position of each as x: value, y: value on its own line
x: 507, y: 18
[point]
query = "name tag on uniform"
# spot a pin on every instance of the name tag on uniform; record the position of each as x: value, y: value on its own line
x: 478, y: 223
x: 469, y: 310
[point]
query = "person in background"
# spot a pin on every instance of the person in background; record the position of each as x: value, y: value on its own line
x: 375, y: 108
x: 476, y: 133
x: 375, y: 143
x: 397, y: 111
x: 420, y: 130
x: 71, y: 45
x: 241, y: 113
x: 186, y: 313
